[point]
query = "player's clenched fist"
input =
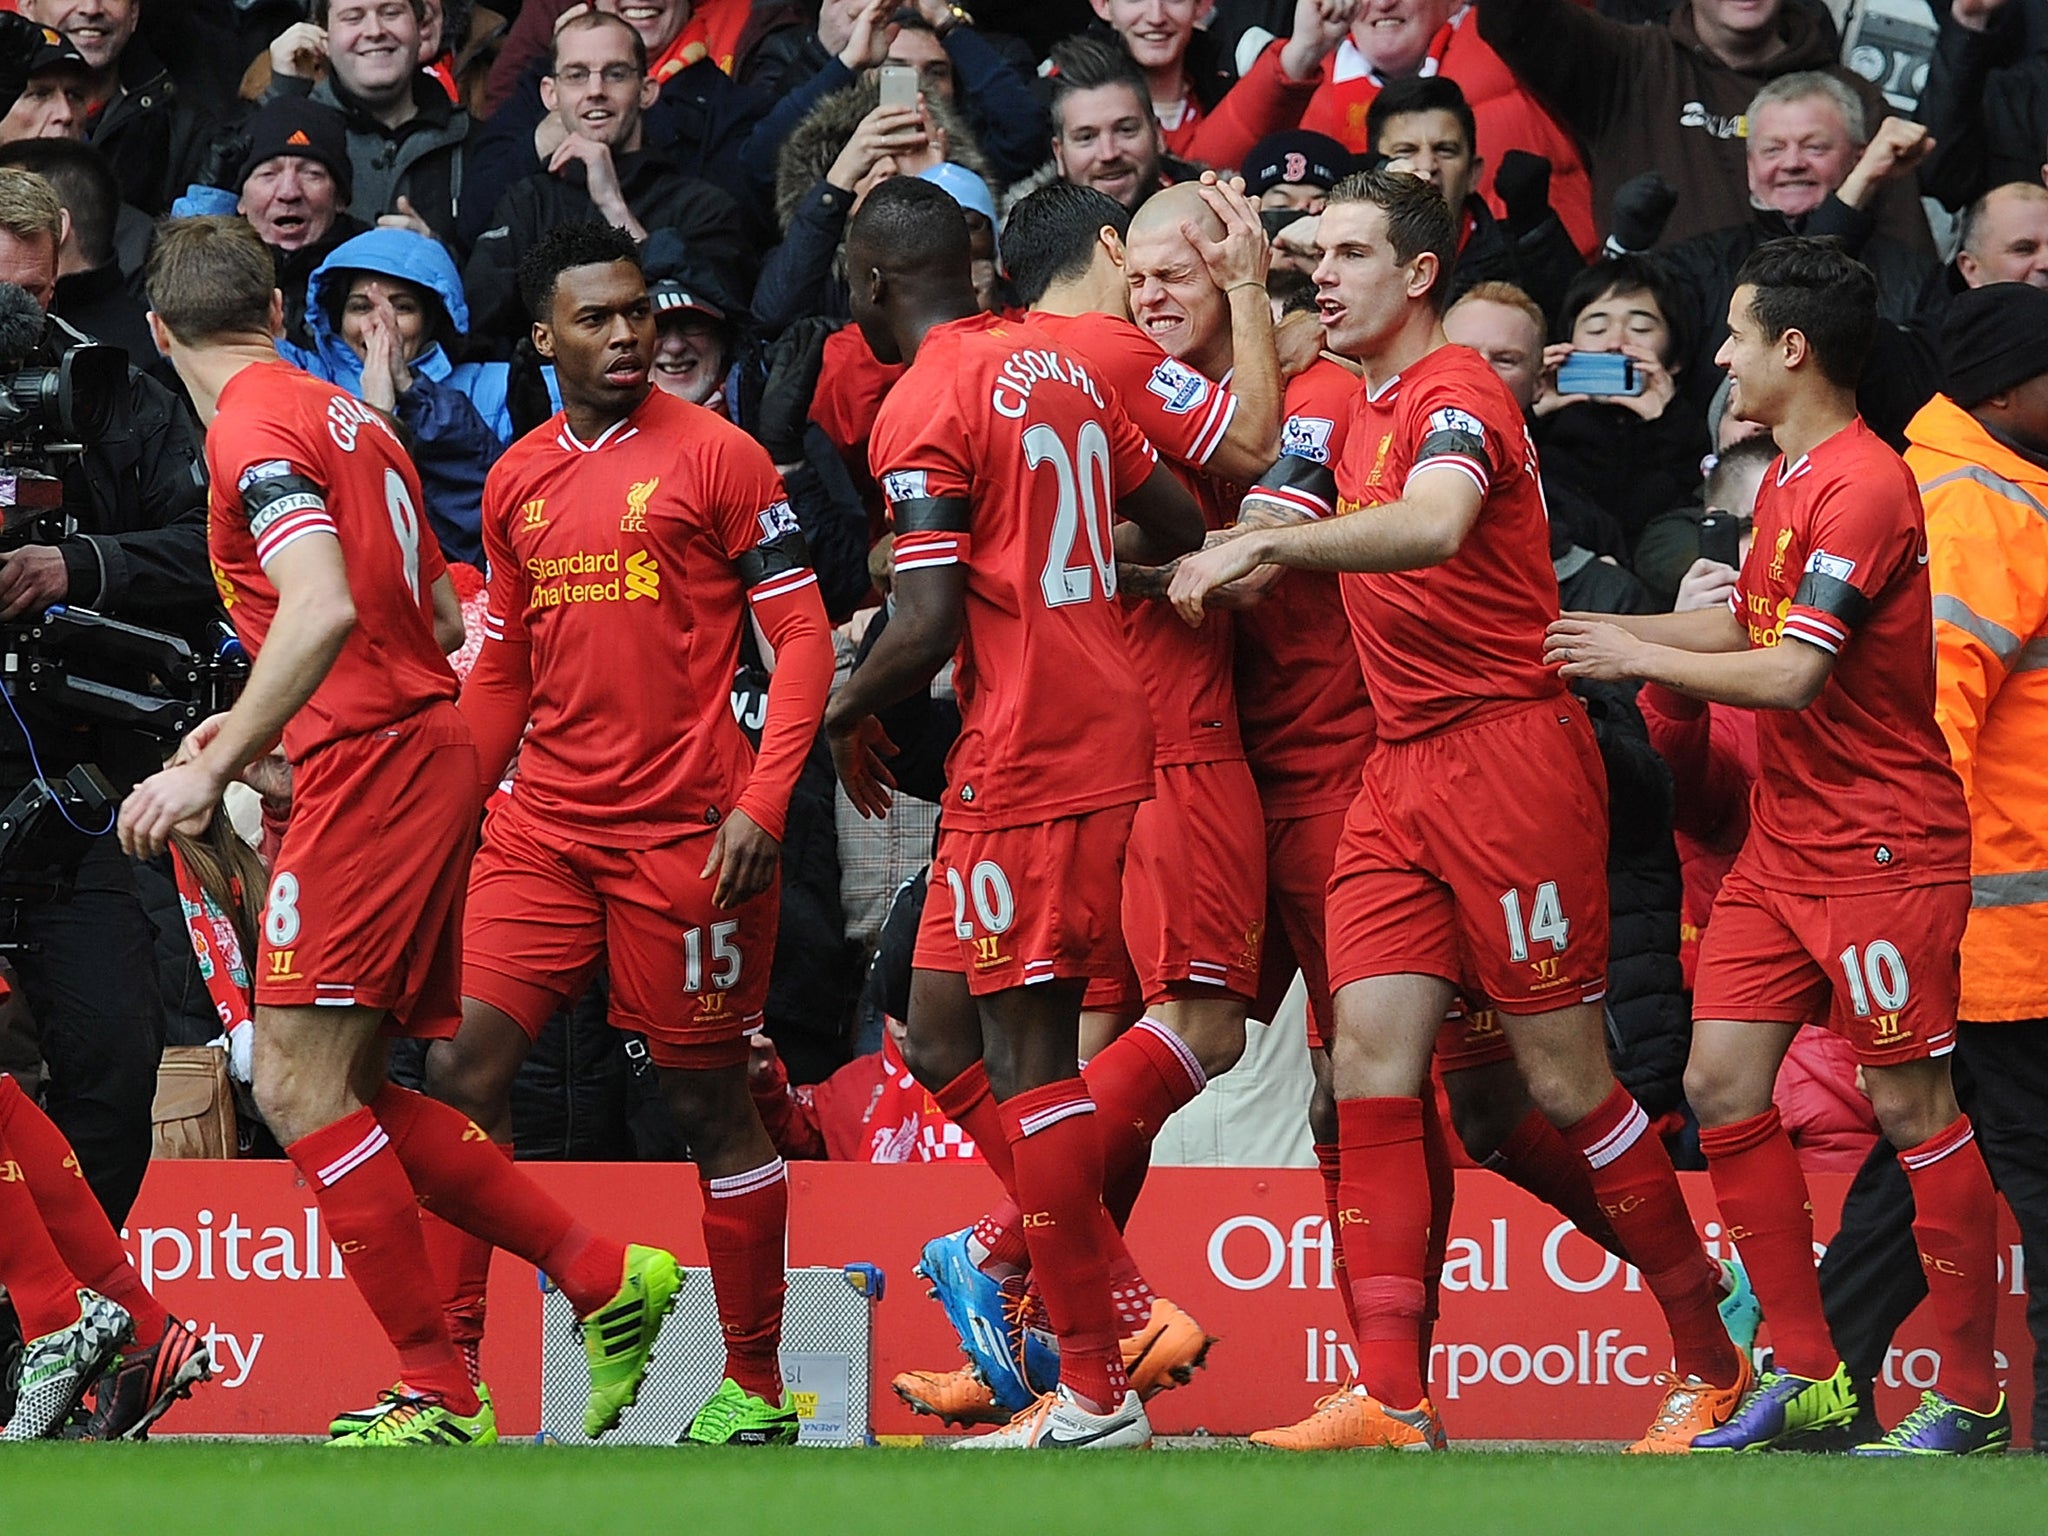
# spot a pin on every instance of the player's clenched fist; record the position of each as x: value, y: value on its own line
x: 1582, y: 646
x: 155, y: 807
x: 858, y: 747
x: 1217, y: 566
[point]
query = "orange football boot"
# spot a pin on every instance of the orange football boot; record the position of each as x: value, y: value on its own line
x: 951, y: 1397
x: 1352, y: 1419
x: 1691, y: 1407
x: 1166, y: 1352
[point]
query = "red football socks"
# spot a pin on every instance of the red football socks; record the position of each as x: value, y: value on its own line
x: 1955, y: 1219
x: 1136, y: 1081
x: 74, y: 1219
x: 969, y: 1103
x: 463, y: 1264
x: 1330, y: 1164
x: 1057, y: 1156
x: 746, y: 1238
x: 372, y: 1215
x: 463, y: 1178
x: 44, y: 1292
x: 1383, y: 1222
x: 1536, y: 1158
x: 1766, y: 1210
x: 1443, y: 1189
x: 1633, y: 1181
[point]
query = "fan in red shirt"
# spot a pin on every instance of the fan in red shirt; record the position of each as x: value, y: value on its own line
x: 1847, y: 903
x: 318, y: 548
x: 631, y: 539
x: 1004, y: 459
x: 1476, y: 848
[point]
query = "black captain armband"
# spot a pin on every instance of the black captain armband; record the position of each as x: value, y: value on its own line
x: 931, y: 514
x: 266, y: 498
x: 1451, y: 443
x: 1298, y: 483
x: 1832, y: 596
x: 770, y: 558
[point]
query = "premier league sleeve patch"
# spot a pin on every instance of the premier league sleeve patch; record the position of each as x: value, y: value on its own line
x: 1307, y: 437
x: 904, y: 485
x: 1179, y: 386
x: 777, y: 520
x: 1449, y: 420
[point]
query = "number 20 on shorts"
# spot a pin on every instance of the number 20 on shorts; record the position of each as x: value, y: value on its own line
x: 988, y: 888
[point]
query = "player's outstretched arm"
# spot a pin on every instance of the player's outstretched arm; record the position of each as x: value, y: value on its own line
x: 924, y: 629
x: 1426, y: 527
x: 1163, y: 521
x: 1788, y: 675
x: 1699, y: 629
x: 315, y: 615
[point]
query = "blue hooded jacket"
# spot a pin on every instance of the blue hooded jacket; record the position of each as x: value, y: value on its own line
x: 458, y: 414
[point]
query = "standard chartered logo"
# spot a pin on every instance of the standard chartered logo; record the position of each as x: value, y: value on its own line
x: 592, y: 576
x: 643, y: 577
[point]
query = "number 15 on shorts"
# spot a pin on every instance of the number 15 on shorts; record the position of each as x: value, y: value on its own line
x: 1545, y: 922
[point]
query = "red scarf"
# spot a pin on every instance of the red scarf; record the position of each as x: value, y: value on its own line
x: 217, y: 947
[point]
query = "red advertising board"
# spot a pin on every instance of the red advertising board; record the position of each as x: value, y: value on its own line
x: 1543, y: 1335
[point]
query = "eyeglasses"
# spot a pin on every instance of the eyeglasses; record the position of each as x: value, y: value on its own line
x: 576, y: 76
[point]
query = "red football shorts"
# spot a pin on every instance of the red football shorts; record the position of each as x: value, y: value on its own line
x: 1015, y: 906
x: 546, y: 910
x: 1301, y: 851
x: 1882, y: 969
x: 1471, y: 1037
x: 1479, y: 854
x: 365, y: 904
x: 1194, y: 908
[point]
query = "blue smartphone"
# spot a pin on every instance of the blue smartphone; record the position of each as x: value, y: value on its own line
x: 1599, y: 373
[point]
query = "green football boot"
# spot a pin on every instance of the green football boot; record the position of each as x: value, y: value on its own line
x: 619, y: 1336
x: 411, y: 1418
x: 735, y: 1416
x: 353, y: 1421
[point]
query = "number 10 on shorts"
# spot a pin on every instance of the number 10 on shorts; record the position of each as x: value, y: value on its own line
x: 1546, y: 921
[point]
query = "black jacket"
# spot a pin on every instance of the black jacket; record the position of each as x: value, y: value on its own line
x: 1542, y: 263
x: 1986, y: 106
x: 1649, y: 1021
x: 1630, y: 468
x: 101, y: 304
x: 701, y: 122
x: 661, y: 194
x: 152, y: 134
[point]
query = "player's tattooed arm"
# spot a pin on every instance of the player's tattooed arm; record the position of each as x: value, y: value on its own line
x: 1154, y: 582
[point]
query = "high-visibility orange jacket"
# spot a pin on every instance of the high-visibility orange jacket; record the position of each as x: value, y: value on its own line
x: 1987, y: 537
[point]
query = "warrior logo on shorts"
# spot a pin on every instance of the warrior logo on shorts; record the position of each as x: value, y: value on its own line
x: 1888, y: 1031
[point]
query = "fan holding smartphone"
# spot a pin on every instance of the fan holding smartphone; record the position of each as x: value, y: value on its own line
x: 1609, y: 420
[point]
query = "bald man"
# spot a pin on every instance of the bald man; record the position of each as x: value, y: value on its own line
x: 2005, y: 237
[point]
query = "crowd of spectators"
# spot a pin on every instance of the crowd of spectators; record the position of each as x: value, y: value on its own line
x: 1611, y: 163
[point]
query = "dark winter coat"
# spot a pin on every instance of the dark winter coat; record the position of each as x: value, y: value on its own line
x: 1652, y: 98
x: 152, y: 134
x: 1630, y: 468
x: 422, y: 160
x: 1986, y: 106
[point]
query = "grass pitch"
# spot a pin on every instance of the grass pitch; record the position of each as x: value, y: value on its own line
x: 169, y: 1488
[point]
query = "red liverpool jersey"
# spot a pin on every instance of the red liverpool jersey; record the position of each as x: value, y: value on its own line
x: 1301, y: 701
x: 1186, y: 672
x: 1854, y: 792
x: 290, y: 456
x: 1439, y: 644
x: 624, y: 565
x: 1001, y: 450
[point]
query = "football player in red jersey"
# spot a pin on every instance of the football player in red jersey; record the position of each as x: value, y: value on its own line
x: 1847, y: 903
x: 341, y: 597
x: 1004, y: 459
x: 1193, y: 906
x: 1451, y: 872
x: 631, y: 540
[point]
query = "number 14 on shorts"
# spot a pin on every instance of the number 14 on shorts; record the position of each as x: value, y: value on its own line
x: 1546, y: 921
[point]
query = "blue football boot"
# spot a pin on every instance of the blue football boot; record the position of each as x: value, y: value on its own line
x: 974, y: 1305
